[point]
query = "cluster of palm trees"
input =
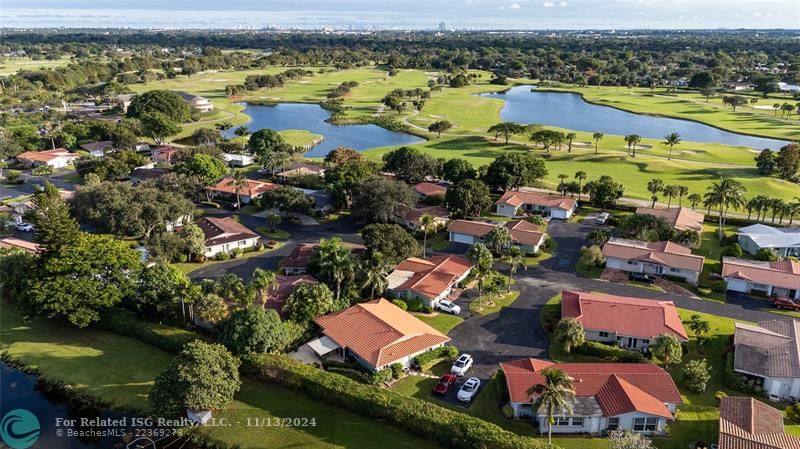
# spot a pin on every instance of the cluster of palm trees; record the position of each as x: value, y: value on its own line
x: 786, y: 109
x: 656, y: 186
x: 762, y: 205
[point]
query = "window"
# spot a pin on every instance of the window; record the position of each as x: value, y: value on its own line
x: 568, y: 421
x: 526, y: 405
x: 577, y: 422
x: 561, y: 421
x: 613, y: 424
x: 633, y: 262
x: 603, y: 334
x: 645, y: 342
x: 645, y: 424
x: 675, y: 270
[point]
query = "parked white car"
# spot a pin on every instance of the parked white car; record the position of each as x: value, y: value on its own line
x: 602, y: 218
x: 24, y: 227
x: 449, y: 307
x: 469, y: 389
x: 462, y: 365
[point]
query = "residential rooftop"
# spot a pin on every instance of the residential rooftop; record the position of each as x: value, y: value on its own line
x: 680, y: 218
x: 780, y: 273
x: 665, y: 253
x: 745, y: 423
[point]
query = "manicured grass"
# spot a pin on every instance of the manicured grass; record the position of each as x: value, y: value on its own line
x: 188, y: 267
x: 589, y: 272
x: 499, y: 302
x: 442, y: 322
x: 711, y: 249
x: 299, y: 137
x: 115, y: 369
x: 120, y: 371
x: 73, y: 178
x: 693, y: 106
x: 14, y: 65
x: 278, y: 234
x: 654, y: 288
x: 439, y: 241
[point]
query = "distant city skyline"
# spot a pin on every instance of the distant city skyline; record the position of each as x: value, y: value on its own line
x: 406, y: 14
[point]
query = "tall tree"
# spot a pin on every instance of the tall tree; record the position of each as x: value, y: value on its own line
x: 513, y: 170
x: 499, y: 238
x: 374, y: 269
x: 482, y: 262
x: 239, y: 183
x: 507, y: 130
x: 426, y: 222
x: 381, y: 200
x: 242, y: 132
x: 515, y: 259
x: 671, y: 140
x: 336, y: 266
x: 569, y: 332
x: 597, y: 137
x: 580, y: 176
x: 725, y: 193
x: 654, y: 186
x: 467, y: 198
x: 667, y: 348
x: 54, y: 227
x: 262, y: 281
x: 252, y: 329
x: 553, y: 396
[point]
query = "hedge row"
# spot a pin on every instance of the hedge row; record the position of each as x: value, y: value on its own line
x: 125, y: 322
x: 613, y: 353
x: 446, y: 427
x: 427, y: 359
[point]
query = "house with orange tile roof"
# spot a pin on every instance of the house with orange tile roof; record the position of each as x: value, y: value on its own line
x: 658, y: 258
x: 745, y: 423
x: 298, y: 259
x: 284, y: 287
x: 527, y: 236
x: 639, y: 397
x: 426, y: 189
x: 769, y: 354
x: 223, y: 235
x: 164, y: 153
x: 253, y: 190
x: 680, y: 218
x: 411, y: 217
x: 428, y: 280
x: 520, y: 202
x: 630, y: 322
x: 778, y: 278
x: 56, y: 158
x: 377, y: 334
x: 16, y: 243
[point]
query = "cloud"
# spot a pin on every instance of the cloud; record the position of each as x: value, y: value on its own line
x: 515, y: 6
x: 549, y: 5
x: 563, y: 4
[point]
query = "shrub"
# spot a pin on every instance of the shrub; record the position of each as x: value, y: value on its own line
x: 236, y: 252
x: 733, y: 250
x: 446, y: 427
x: 168, y: 338
x: 380, y: 376
x: 766, y: 254
x: 719, y: 394
x: 739, y: 382
x: 415, y: 305
x: 400, y: 303
x: 397, y: 370
x: 430, y: 358
x: 427, y: 309
x: 508, y: 411
x: 719, y: 286
x: 703, y: 291
x: 730, y: 239
x: 222, y: 256
x: 696, y: 375
x: 613, y: 353
x: 793, y: 412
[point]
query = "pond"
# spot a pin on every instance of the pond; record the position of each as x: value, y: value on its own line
x: 20, y: 390
x: 569, y: 110
x: 311, y: 117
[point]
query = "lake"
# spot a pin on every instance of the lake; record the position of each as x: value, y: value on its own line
x: 311, y: 117
x: 569, y: 110
x: 20, y: 390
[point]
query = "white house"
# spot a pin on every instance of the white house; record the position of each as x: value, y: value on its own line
x: 520, y: 202
x: 659, y: 258
x: 196, y: 102
x: 779, y: 278
x: 769, y: 353
x: 640, y: 397
x: 238, y: 160
x: 57, y: 158
x: 629, y: 322
x: 527, y: 236
x: 428, y: 280
x: 98, y: 149
x: 376, y: 334
x: 225, y: 235
x: 785, y: 241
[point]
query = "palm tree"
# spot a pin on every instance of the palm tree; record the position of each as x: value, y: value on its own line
x: 263, y: 281
x: 794, y: 209
x: 776, y: 106
x: 425, y: 222
x: 570, y: 137
x: 499, y: 237
x: 561, y: 185
x: 580, y: 176
x: 670, y: 191
x: 635, y: 139
x: 699, y: 326
x: 515, y: 259
x: 375, y: 270
x: 694, y: 199
x: 597, y: 137
x: 654, y: 186
x: 555, y: 396
x: 239, y: 183
x: 671, y: 140
x: 335, y: 262
x: 667, y: 348
x: 778, y: 207
x: 273, y: 220
x: 222, y: 127
x: 482, y: 261
x: 682, y: 191
x: 242, y: 132
x: 725, y: 194
x: 569, y: 332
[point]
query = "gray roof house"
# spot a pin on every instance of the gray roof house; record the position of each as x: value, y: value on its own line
x: 769, y: 352
x: 785, y: 241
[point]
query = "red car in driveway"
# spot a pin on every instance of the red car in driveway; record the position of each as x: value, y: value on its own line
x: 786, y: 303
x: 444, y: 384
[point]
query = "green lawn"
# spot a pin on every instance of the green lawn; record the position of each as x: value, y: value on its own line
x: 497, y: 303
x: 9, y: 66
x: 300, y: 137
x: 439, y: 241
x: 589, y: 272
x: 278, y: 234
x: 443, y: 322
x: 751, y: 119
x: 120, y: 371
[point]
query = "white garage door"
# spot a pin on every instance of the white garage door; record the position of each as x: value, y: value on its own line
x: 737, y: 285
x: 461, y: 238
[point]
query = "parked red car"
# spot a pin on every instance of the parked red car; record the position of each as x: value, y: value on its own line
x: 786, y: 303
x: 444, y: 384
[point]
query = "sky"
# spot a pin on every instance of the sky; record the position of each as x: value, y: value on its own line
x: 404, y: 14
